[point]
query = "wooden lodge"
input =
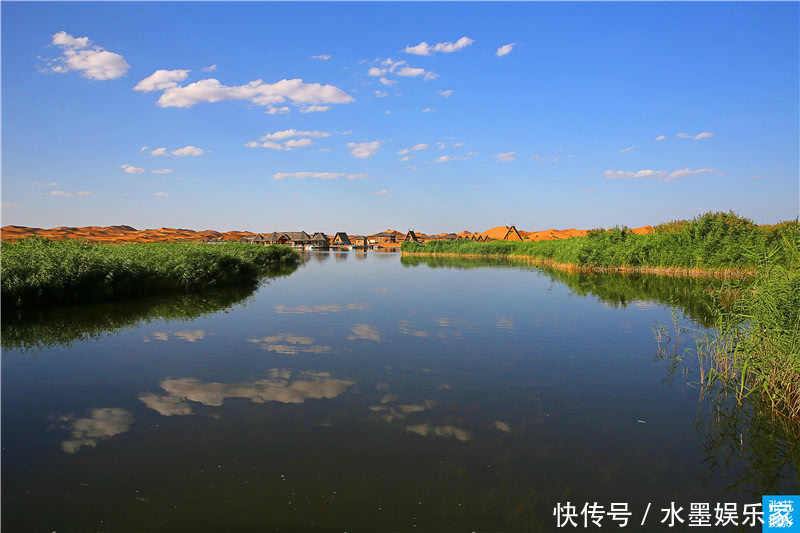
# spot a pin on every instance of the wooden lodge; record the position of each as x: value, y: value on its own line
x: 341, y: 239
x: 383, y: 237
x: 359, y: 241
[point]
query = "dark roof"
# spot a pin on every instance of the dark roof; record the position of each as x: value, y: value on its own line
x: 512, y: 232
x: 411, y: 236
x: 319, y: 236
x: 342, y: 236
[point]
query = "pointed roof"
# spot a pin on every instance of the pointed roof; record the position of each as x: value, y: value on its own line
x: 411, y: 236
x: 512, y: 234
x: 342, y: 237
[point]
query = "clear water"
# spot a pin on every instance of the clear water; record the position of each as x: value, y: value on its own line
x: 365, y: 392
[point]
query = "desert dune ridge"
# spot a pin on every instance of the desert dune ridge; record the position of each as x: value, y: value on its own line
x: 126, y: 234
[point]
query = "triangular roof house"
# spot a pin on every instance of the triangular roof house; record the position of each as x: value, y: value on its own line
x: 411, y: 236
x: 512, y: 234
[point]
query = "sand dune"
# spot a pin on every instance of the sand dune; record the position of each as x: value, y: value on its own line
x: 122, y: 234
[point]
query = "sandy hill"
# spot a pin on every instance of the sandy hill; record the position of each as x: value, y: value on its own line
x: 120, y: 234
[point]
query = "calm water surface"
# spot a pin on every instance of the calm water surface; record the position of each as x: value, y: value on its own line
x: 365, y: 392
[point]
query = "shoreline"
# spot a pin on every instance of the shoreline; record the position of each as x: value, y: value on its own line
x: 723, y: 273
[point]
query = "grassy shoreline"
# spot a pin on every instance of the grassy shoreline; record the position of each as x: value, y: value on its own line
x: 717, y: 244
x: 37, y: 271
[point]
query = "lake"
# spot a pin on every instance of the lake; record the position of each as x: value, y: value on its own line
x: 370, y: 392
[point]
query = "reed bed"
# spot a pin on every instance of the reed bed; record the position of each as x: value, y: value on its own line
x: 37, y: 271
x: 722, y: 244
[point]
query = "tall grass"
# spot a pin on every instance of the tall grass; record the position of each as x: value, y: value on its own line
x: 37, y: 270
x: 709, y: 241
x: 754, y: 351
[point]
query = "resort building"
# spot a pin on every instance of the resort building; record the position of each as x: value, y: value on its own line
x: 411, y: 236
x: 359, y: 241
x: 341, y: 239
x: 512, y: 234
x: 383, y: 237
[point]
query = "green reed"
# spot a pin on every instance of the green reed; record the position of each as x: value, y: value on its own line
x: 36, y: 270
x: 709, y: 241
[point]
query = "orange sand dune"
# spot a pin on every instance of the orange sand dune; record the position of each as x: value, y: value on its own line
x: 120, y: 234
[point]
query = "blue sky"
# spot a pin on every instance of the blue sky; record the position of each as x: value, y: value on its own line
x: 560, y: 131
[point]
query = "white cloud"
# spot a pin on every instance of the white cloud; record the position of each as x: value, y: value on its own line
x: 406, y: 158
x: 364, y: 332
x: 428, y: 110
x: 505, y: 156
x: 159, y: 152
x: 660, y: 138
x: 91, y: 61
x: 298, y: 143
x: 456, y: 145
x: 424, y: 49
x: 447, y: 93
x: 446, y: 432
x: 701, y: 135
x: 387, y: 65
x: 85, y: 193
x: 413, y: 72
x: 387, y: 81
x: 415, y: 148
x: 256, y: 92
x: 502, y: 426
x: 629, y: 149
x: 684, y: 172
x: 162, y: 194
x: 322, y: 57
x: 60, y: 193
x: 446, y: 158
x: 188, y: 151
x: 314, y: 108
x: 210, y: 68
x: 160, y: 80
x: 440, y: 145
x: 278, y: 387
x: 270, y: 138
x: 365, y: 149
x: 51, y: 184
x: 130, y: 169
x: 101, y: 424
x: 66, y: 40
x: 381, y: 193
x: 655, y: 174
x: 166, y: 405
x: 143, y: 148
x: 287, y: 134
x: 505, y: 49
x: 381, y: 94
x: 388, y: 113
x: 272, y: 145
x: 162, y: 171
x: 317, y: 175
x: 272, y: 110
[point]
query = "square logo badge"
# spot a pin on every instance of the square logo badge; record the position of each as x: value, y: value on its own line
x: 781, y: 513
